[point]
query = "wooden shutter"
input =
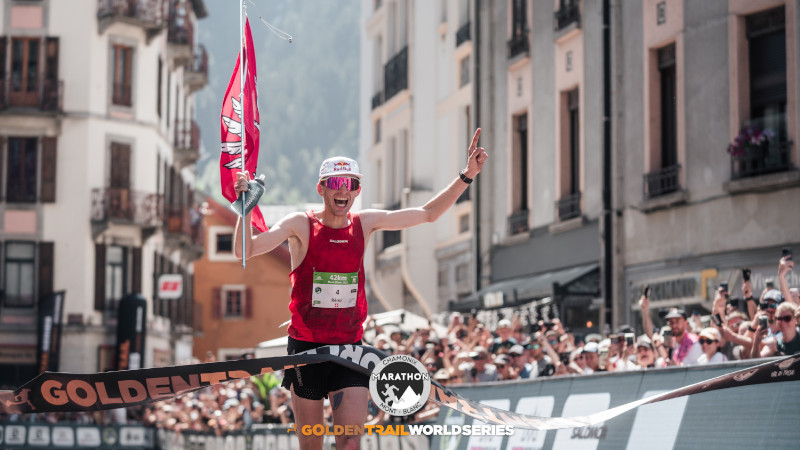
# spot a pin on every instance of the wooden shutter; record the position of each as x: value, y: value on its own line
x: 45, y: 268
x: 120, y: 166
x: 136, y: 275
x: 51, y: 59
x: 248, y: 303
x: 99, y: 277
x: 216, y: 303
x: 48, y: 194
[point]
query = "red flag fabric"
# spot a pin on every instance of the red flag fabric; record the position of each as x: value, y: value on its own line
x: 231, y: 129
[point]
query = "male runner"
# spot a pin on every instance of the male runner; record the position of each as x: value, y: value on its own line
x: 328, y: 302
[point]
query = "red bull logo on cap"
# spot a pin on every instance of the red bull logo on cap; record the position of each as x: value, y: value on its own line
x: 341, y: 166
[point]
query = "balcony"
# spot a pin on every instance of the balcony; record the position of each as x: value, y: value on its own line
x: 761, y: 148
x: 463, y: 34
x: 518, y: 222
x: 396, y: 74
x: 195, y: 76
x: 180, y: 36
x: 187, y: 143
x: 662, y: 181
x: 518, y: 46
x: 568, y: 13
x: 184, y: 229
x: 125, y: 206
x: 569, y: 207
x: 148, y: 14
x: 377, y: 100
x: 48, y: 96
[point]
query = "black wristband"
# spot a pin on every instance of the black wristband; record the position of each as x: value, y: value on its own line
x: 749, y: 299
x: 751, y: 328
x: 464, y: 178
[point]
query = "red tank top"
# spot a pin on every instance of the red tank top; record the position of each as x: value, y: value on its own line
x: 333, y: 255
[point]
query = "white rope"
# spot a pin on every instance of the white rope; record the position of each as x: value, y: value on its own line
x: 275, y: 30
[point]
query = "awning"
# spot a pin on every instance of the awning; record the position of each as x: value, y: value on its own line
x: 523, y: 289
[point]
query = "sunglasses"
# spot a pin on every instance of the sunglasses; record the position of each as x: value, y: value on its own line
x: 786, y: 319
x: 335, y: 183
x: 500, y: 366
x: 706, y: 341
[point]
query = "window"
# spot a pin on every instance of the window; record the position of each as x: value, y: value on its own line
x: 224, y: 243
x: 121, y: 84
x: 766, y: 35
x: 463, y: 223
x: 669, y: 108
x: 232, y: 302
x: 518, y: 42
x: 518, y: 222
x: 464, y: 71
x: 21, y: 179
x: 116, y: 271
x: 574, y: 142
x: 19, y: 274
x: 462, y: 273
x: 25, y: 71
x: 568, y: 205
x: 158, y: 85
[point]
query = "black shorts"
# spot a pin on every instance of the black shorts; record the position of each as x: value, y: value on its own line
x: 315, y: 381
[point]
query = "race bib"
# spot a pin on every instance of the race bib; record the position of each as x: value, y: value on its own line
x: 334, y: 290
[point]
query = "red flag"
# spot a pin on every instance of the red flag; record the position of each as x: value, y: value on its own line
x: 230, y: 158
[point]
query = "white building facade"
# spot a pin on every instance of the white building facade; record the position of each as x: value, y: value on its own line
x: 416, y: 125
x: 98, y: 146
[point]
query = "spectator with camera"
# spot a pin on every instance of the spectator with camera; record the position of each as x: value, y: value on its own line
x: 788, y: 343
x: 519, y: 359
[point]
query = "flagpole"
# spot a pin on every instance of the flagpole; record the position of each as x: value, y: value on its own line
x: 242, y: 75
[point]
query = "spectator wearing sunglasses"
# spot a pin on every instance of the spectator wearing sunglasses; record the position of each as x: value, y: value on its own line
x: 789, y: 341
x: 766, y: 308
x: 519, y: 359
x: 328, y: 302
x: 709, y: 341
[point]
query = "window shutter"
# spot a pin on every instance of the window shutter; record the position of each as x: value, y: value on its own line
x: 248, y: 303
x: 3, y: 45
x: 99, y: 277
x: 216, y: 303
x: 3, y: 149
x: 45, y: 268
x: 48, y: 194
x: 136, y: 282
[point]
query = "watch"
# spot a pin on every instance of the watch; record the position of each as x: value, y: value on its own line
x: 464, y: 178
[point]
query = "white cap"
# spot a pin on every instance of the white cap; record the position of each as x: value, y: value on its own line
x: 339, y: 166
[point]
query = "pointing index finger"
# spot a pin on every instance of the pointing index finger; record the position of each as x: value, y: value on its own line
x: 475, y: 140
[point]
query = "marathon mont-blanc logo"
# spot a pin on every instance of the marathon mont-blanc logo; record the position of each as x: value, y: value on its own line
x: 400, y: 385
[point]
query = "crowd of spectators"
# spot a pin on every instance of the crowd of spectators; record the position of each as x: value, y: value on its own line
x: 469, y: 352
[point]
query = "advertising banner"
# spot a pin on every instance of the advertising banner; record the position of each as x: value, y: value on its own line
x: 48, y: 348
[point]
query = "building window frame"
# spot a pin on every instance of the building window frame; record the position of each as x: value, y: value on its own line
x: 234, y: 301
x: 214, y: 255
x: 21, y: 262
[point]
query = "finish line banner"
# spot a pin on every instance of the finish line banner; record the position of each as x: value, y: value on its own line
x: 65, y: 392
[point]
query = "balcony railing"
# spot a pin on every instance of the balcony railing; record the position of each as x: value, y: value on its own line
x: 396, y: 73
x: 185, y: 221
x: 518, y: 45
x: 377, y: 100
x: 463, y: 34
x: 125, y: 205
x: 662, y: 181
x: 773, y: 155
x: 200, y: 62
x: 121, y: 94
x: 49, y: 98
x: 518, y: 222
x: 569, y: 207
x: 150, y: 13
x: 180, y: 30
x: 187, y: 135
x: 568, y: 13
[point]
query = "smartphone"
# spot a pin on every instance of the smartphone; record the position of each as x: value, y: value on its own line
x: 746, y: 274
x: 724, y: 286
x: 629, y: 339
x: 646, y: 290
x: 762, y: 322
x: 666, y: 332
x: 770, y: 283
x: 787, y: 253
x: 717, y: 319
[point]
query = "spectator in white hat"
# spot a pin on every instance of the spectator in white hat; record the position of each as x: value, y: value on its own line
x: 709, y: 341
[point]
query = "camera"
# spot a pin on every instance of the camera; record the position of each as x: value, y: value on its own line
x: 724, y: 287
x: 746, y: 274
x: 629, y: 339
x: 787, y: 253
x: 762, y: 322
x: 717, y: 319
x: 646, y: 290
